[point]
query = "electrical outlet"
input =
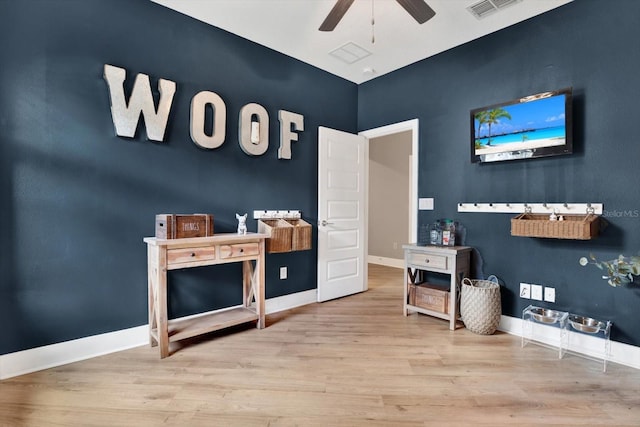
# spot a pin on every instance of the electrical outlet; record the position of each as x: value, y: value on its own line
x: 283, y: 273
x: 550, y: 294
x: 525, y: 290
x: 536, y: 292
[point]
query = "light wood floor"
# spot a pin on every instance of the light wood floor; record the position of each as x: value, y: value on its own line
x: 355, y: 361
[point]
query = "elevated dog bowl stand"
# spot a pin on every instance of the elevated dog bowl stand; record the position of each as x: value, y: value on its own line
x: 564, y: 333
x: 530, y: 325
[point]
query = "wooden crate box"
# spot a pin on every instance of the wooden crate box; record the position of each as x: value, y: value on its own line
x: 301, y: 235
x: 280, y: 235
x: 174, y: 226
x: 430, y: 297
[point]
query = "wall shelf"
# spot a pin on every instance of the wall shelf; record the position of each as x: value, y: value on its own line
x: 537, y: 208
x: 278, y: 214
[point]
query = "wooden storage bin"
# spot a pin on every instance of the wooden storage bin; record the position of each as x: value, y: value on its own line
x: 580, y: 227
x: 301, y: 236
x: 430, y: 297
x: 174, y: 226
x: 280, y: 235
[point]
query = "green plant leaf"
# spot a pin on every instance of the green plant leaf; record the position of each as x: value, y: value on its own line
x: 620, y: 271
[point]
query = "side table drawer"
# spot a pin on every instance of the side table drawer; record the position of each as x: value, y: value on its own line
x: 243, y: 249
x: 179, y: 256
x: 428, y: 261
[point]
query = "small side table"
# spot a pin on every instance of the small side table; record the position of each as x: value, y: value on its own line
x: 173, y: 254
x: 451, y: 260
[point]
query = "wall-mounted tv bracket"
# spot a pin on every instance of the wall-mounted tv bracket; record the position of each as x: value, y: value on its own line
x: 536, y: 208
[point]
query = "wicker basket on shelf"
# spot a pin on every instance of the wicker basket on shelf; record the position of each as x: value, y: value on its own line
x: 279, y: 232
x: 580, y: 227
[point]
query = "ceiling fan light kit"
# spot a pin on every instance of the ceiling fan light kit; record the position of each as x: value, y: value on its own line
x: 418, y: 9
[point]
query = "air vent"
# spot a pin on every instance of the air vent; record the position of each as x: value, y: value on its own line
x: 487, y: 7
x: 350, y: 53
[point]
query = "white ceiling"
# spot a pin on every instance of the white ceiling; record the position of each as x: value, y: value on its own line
x: 291, y: 27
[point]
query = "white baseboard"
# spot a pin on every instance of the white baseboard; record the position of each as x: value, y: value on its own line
x: 389, y: 262
x: 286, y: 302
x: 49, y: 356
x: 36, y: 359
x: 587, y: 345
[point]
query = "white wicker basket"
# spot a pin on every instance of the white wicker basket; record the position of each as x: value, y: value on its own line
x: 480, y: 305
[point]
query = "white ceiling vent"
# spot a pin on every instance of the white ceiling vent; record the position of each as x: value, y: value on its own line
x: 350, y: 53
x: 487, y: 7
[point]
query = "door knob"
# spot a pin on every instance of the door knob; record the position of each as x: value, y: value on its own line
x: 324, y: 223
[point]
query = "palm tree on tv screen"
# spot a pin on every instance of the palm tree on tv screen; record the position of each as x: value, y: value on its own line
x: 491, y: 117
x: 481, y: 117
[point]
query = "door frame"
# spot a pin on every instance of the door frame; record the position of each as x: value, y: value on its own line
x: 408, y: 125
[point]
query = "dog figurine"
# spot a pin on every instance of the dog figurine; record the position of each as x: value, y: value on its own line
x: 242, y: 224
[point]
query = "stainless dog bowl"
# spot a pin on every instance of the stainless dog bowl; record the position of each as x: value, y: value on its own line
x: 544, y: 315
x: 585, y: 324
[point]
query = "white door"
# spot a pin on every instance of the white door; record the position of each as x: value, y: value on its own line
x: 342, y: 191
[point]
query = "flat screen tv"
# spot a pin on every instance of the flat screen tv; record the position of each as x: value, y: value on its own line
x: 538, y: 125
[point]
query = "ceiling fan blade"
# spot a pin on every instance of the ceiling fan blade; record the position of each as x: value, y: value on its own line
x: 335, y: 15
x: 419, y: 9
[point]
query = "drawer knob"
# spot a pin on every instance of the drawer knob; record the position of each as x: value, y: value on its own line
x: 426, y: 260
x: 241, y: 250
x: 193, y: 254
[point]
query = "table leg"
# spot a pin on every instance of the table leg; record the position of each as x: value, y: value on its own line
x: 248, y: 291
x: 407, y: 275
x: 152, y: 307
x: 158, y: 318
x: 161, y: 313
x: 253, y: 287
x: 453, y: 301
x: 259, y: 285
x: 152, y: 269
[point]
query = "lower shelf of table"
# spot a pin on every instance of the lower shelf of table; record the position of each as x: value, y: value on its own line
x: 445, y: 316
x: 427, y: 311
x: 192, y: 326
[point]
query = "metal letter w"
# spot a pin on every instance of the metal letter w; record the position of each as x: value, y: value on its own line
x: 125, y: 117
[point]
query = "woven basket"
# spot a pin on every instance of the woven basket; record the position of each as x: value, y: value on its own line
x: 279, y: 232
x: 301, y: 234
x: 480, y: 305
x: 580, y: 227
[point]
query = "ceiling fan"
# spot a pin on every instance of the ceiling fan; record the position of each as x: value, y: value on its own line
x: 418, y: 9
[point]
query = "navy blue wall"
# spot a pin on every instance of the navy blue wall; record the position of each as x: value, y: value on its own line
x: 576, y: 45
x: 77, y: 200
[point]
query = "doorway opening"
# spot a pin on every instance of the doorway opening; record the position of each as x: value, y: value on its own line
x: 392, y: 201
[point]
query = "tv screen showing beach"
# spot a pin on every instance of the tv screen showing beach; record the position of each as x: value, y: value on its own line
x: 534, y: 126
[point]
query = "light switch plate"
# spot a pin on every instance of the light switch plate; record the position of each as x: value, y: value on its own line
x: 425, y: 203
x: 549, y: 294
x: 536, y: 292
x: 525, y: 290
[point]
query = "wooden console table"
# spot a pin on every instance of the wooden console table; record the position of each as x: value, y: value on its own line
x: 451, y: 260
x: 173, y: 254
